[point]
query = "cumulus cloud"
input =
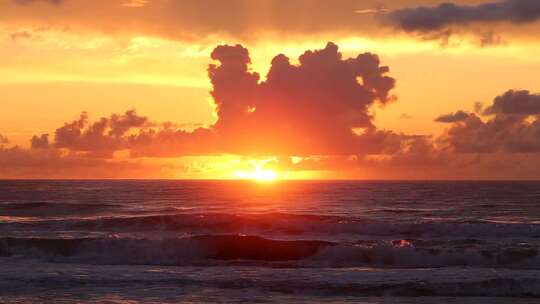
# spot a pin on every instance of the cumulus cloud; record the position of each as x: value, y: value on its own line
x: 478, y: 107
x: 40, y: 142
x: 317, y: 110
x: 319, y: 106
x: 453, y: 117
x: 312, y: 107
x: 508, y: 134
x: 436, y: 18
x: 520, y: 102
x: 513, y: 128
x: 102, y: 137
x: 129, y: 131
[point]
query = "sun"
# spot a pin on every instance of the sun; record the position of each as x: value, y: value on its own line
x: 265, y: 175
x: 258, y: 174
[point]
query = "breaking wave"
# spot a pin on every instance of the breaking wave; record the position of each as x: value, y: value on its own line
x: 284, y: 224
x: 211, y: 250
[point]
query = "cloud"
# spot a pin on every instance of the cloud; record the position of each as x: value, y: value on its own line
x: 319, y: 106
x: 192, y: 20
x: 3, y: 139
x: 317, y: 109
x: 304, y: 108
x: 478, y: 107
x: 511, y: 128
x: 453, y: 117
x: 519, y: 102
x: 248, y: 20
x: 102, y: 137
x: 502, y: 133
x: 51, y: 163
x: 436, y: 18
x: 40, y: 142
x: 420, y: 158
x: 20, y: 35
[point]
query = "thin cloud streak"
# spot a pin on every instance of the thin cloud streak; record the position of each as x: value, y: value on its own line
x: 436, y: 18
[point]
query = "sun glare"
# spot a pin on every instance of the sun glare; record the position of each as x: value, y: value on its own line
x: 259, y: 174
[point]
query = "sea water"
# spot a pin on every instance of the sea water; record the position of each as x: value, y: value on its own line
x: 138, y: 241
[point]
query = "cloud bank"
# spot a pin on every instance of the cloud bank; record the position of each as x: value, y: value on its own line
x: 512, y: 125
x: 319, y: 106
x: 453, y: 117
x: 520, y: 102
x: 436, y: 18
x: 191, y: 20
x: 311, y: 115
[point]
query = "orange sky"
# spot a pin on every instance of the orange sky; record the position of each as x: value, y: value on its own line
x: 59, y: 58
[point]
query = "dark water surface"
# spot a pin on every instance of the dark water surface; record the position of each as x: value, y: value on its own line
x: 232, y: 241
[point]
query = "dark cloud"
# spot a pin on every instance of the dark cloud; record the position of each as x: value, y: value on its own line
x: 420, y: 158
x: 102, y: 137
x: 248, y: 20
x: 437, y: 18
x: 515, y: 102
x: 453, y: 117
x: 40, y: 142
x: 318, y: 109
x: 478, y: 107
x: 515, y: 133
x: 170, y: 142
x: 429, y: 163
x: 51, y: 163
x: 512, y: 134
x: 309, y: 108
x: 319, y: 106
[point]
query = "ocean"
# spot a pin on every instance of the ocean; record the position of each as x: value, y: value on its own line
x: 168, y: 241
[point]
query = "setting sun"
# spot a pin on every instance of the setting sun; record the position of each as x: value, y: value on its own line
x: 259, y: 174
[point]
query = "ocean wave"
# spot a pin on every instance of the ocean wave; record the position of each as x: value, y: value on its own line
x: 314, y: 288
x: 211, y: 250
x: 49, y: 209
x: 284, y: 224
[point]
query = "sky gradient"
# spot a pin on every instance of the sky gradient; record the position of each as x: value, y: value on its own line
x: 309, y: 88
